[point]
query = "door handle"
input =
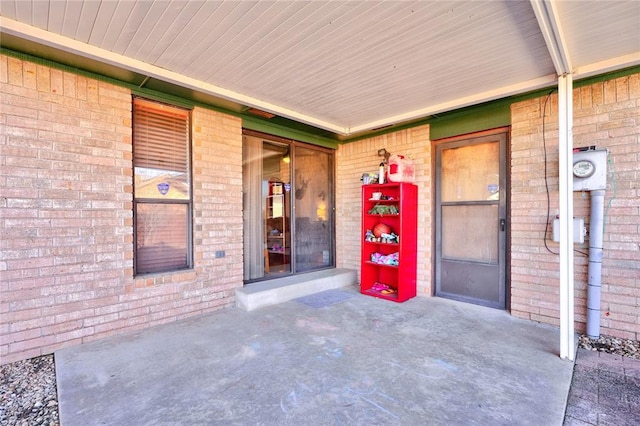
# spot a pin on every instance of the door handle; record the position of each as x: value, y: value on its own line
x: 502, y: 224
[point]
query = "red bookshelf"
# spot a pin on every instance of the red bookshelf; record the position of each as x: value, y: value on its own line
x: 389, y: 261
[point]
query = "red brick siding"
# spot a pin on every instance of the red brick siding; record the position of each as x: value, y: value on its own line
x: 66, y: 273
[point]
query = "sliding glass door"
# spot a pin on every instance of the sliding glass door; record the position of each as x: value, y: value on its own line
x: 313, y: 207
x: 282, y: 180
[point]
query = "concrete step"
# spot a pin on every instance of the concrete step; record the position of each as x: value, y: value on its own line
x: 272, y: 292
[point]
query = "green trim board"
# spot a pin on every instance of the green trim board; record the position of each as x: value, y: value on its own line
x: 472, y: 120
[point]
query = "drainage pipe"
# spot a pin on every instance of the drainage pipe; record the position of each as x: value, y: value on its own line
x: 596, y: 231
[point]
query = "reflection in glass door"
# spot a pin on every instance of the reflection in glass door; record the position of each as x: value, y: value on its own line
x: 277, y: 217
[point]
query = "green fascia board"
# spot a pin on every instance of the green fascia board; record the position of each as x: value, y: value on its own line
x: 470, y: 120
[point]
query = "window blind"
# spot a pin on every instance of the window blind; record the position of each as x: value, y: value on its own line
x: 161, y: 135
x: 161, y: 237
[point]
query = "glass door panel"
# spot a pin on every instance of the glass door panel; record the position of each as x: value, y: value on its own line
x: 471, y: 173
x: 287, y: 207
x: 312, y: 195
x: 477, y: 226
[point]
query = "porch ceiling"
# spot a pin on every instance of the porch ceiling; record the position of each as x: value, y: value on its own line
x: 344, y: 67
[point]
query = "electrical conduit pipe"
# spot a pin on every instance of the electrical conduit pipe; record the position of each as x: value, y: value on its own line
x: 596, y: 231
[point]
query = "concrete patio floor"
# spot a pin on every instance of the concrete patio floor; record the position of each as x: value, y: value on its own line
x: 334, y: 358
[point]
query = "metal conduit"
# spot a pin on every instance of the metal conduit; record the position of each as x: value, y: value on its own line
x: 596, y: 231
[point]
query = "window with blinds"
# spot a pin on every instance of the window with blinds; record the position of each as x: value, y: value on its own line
x: 162, y: 187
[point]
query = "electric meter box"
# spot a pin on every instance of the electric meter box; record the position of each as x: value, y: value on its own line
x: 589, y: 170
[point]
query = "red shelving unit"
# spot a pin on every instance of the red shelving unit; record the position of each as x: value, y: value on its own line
x: 389, y: 265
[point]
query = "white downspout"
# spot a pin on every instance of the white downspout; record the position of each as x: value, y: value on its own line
x: 565, y: 163
x: 596, y: 231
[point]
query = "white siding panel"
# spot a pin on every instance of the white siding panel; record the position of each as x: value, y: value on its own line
x: 117, y: 24
x: 175, y: 20
x: 131, y: 30
x: 202, y: 47
x: 9, y: 9
x: 597, y: 31
x: 40, y: 14
x: 86, y: 21
x: 102, y: 22
x: 143, y: 25
x: 224, y: 46
x: 231, y: 48
x: 188, y: 40
x: 387, y: 61
x: 71, y: 20
x: 57, y: 12
x: 23, y: 11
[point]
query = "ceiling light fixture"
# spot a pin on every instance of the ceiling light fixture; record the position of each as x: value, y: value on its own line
x: 260, y: 113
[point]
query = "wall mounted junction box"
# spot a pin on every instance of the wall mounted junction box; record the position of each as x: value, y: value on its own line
x: 579, y: 231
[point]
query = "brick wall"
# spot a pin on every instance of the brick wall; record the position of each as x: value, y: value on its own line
x: 356, y: 158
x: 66, y: 273
x: 606, y: 114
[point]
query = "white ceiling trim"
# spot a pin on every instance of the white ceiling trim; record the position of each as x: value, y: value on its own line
x: 549, y: 22
x: 38, y: 35
x: 608, y: 65
x: 490, y: 95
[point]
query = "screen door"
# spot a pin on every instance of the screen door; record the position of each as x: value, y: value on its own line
x: 471, y: 220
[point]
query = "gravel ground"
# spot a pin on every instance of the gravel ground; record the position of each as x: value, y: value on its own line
x: 612, y: 345
x: 28, y: 393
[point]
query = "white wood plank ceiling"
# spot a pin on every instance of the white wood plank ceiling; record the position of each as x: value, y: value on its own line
x: 342, y: 66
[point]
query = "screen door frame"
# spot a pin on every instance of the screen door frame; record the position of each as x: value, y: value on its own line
x: 501, y: 301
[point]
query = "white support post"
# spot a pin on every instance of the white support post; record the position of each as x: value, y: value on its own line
x: 565, y: 164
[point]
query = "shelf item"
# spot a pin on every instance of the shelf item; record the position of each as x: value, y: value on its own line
x: 275, y: 206
x: 277, y: 250
x: 383, y: 209
x: 389, y: 241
